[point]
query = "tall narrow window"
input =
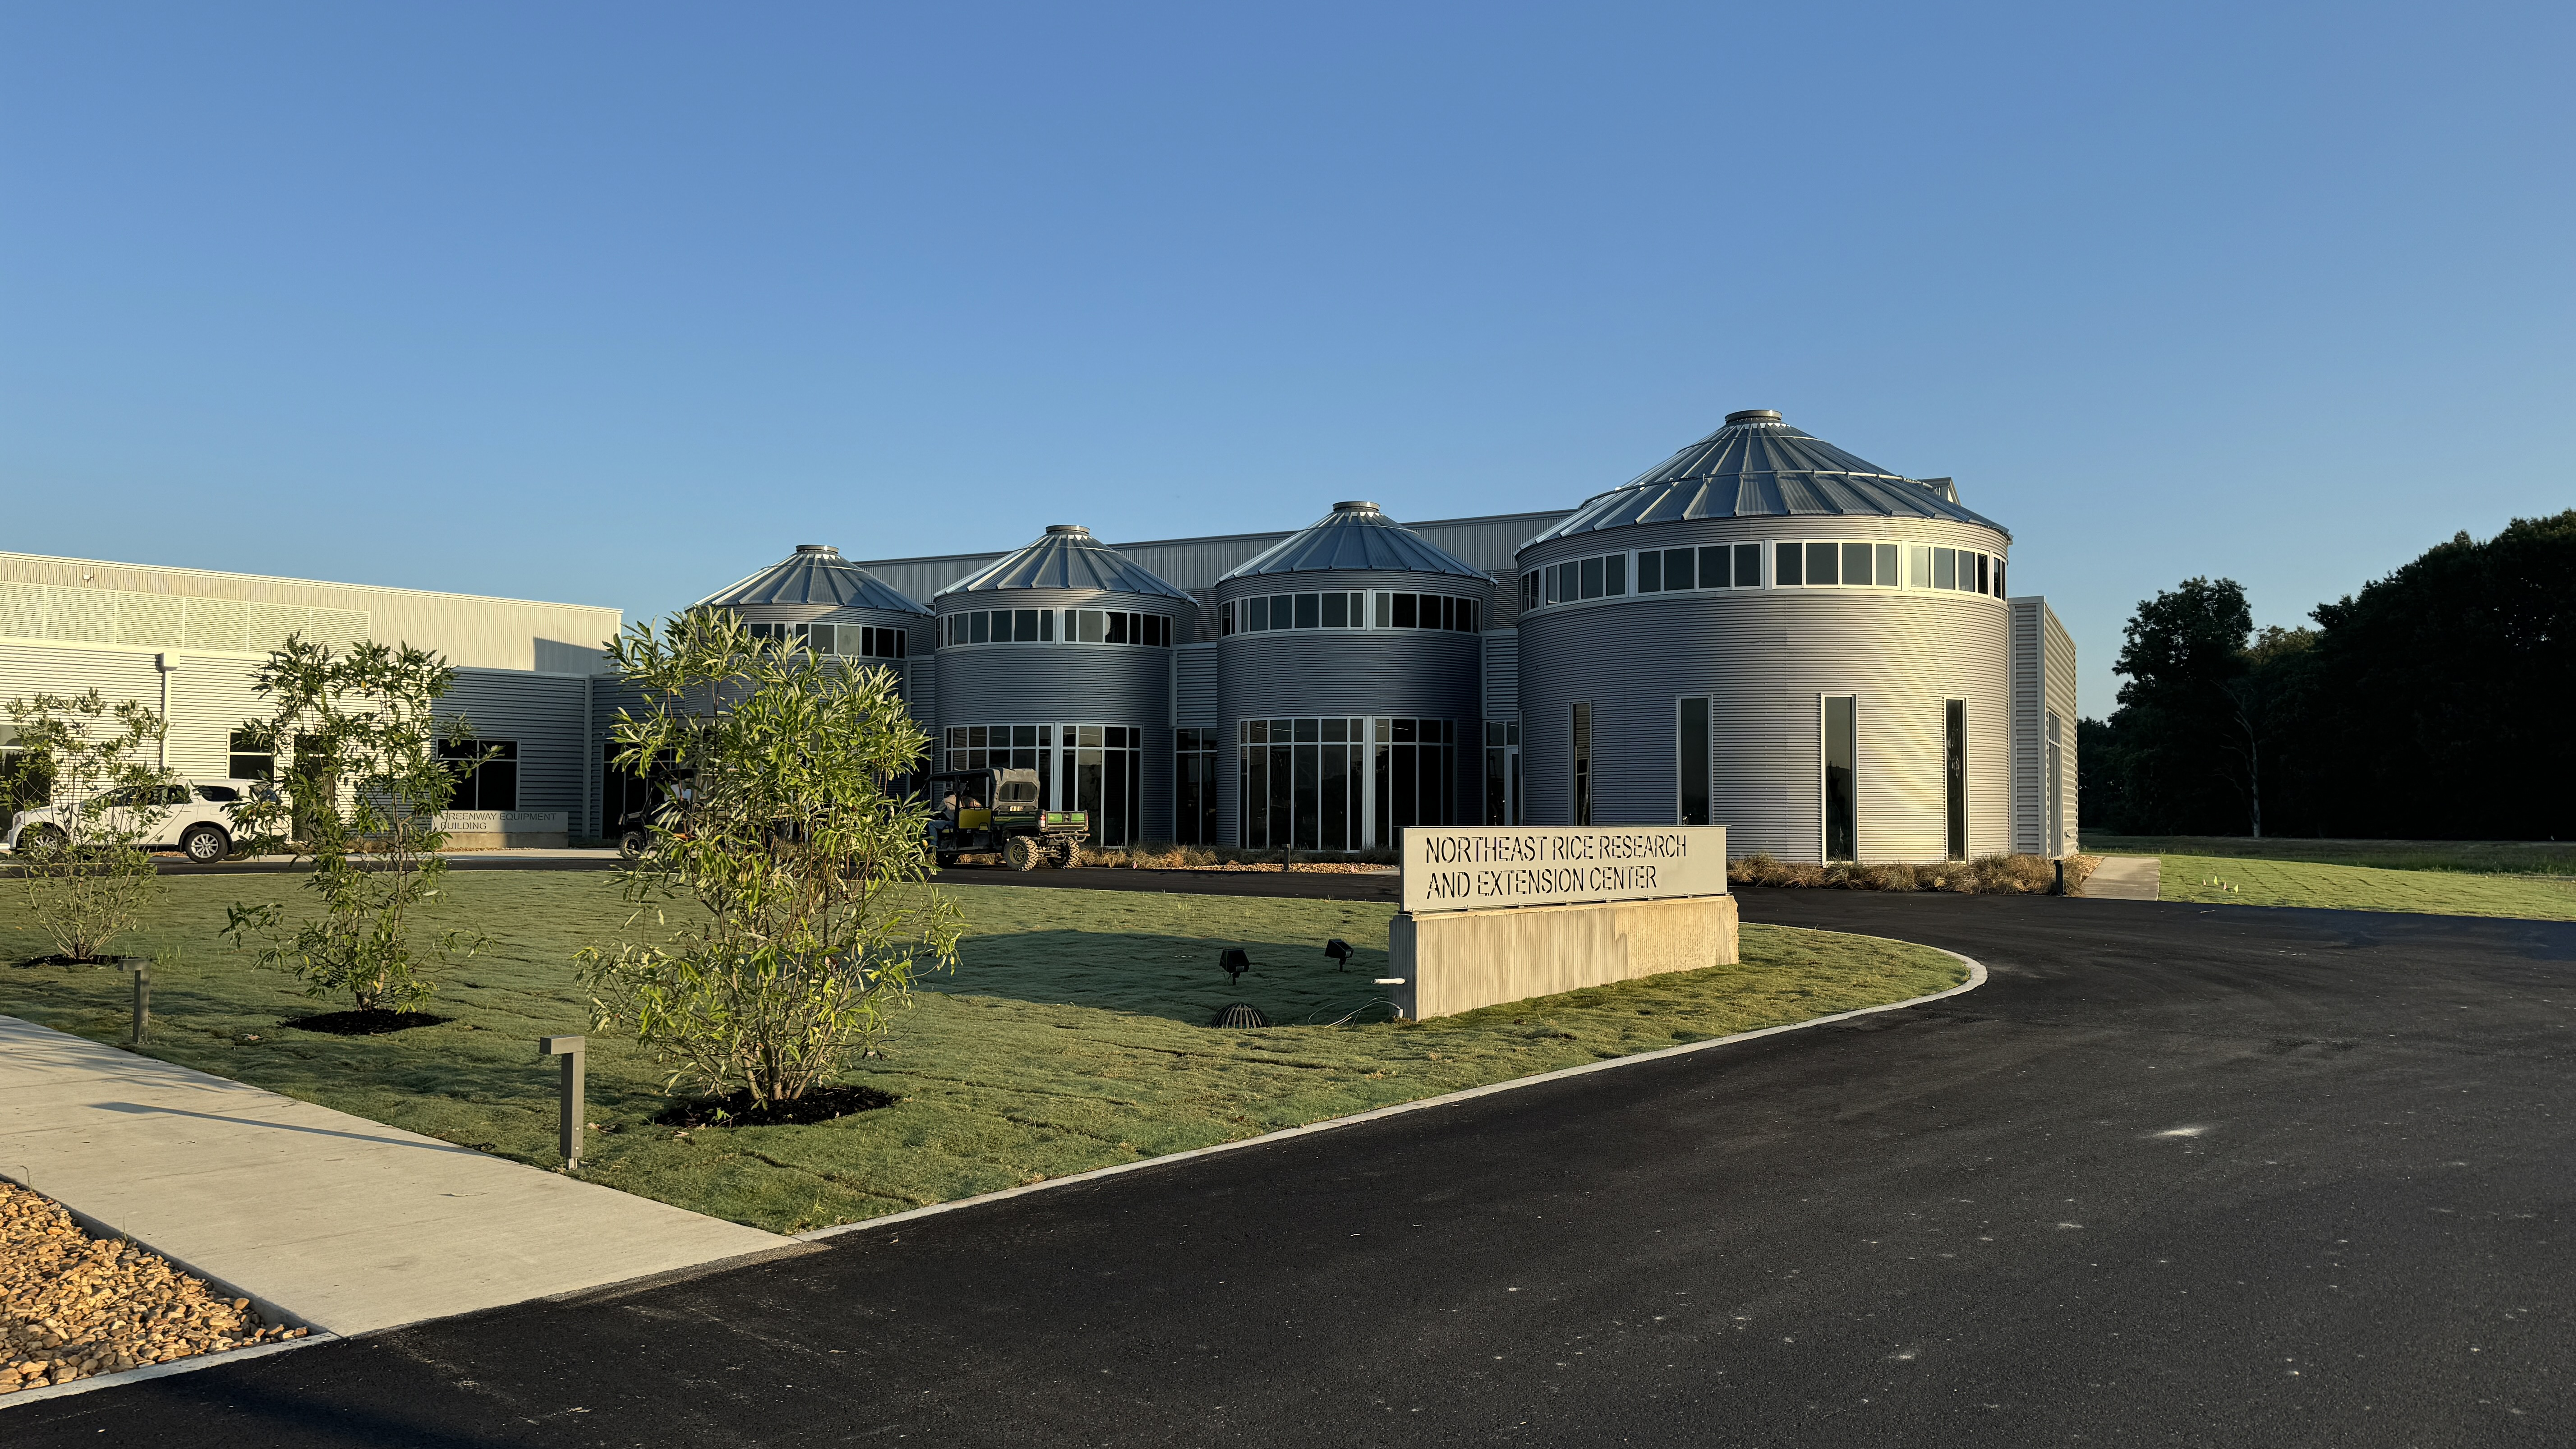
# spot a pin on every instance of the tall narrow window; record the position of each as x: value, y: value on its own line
x: 1694, y: 762
x: 1788, y: 567
x: 1841, y: 796
x: 1748, y: 566
x: 1583, y: 764
x: 1954, y: 776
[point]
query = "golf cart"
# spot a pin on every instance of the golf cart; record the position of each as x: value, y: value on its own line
x: 998, y: 810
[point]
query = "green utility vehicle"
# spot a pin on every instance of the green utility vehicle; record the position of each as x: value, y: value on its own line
x: 998, y: 810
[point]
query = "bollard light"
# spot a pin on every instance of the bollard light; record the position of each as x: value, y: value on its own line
x: 570, y: 1048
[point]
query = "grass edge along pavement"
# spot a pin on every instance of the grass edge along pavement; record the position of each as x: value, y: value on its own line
x: 1072, y: 1039
x: 2312, y: 885
x: 1974, y: 973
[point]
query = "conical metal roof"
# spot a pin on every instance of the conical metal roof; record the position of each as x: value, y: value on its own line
x: 1066, y: 557
x: 1355, y: 536
x: 815, y: 574
x: 1757, y: 466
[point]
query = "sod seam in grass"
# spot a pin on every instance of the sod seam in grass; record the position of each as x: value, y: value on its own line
x: 1072, y: 1037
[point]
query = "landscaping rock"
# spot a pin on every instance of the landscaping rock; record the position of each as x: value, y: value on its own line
x: 72, y: 1306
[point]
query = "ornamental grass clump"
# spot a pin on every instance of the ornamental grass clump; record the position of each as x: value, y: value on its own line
x: 792, y: 877
x: 363, y: 776
x: 95, y: 769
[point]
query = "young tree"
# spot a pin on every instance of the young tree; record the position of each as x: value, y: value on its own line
x: 94, y: 769
x: 362, y: 782
x: 809, y: 909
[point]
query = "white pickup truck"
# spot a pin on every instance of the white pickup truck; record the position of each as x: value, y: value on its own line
x: 194, y: 818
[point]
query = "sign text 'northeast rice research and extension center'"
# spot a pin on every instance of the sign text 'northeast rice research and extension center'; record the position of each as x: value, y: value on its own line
x: 1487, y: 867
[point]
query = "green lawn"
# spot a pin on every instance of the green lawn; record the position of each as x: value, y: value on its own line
x: 1072, y: 1038
x: 2240, y: 881
x: 2482, y: 857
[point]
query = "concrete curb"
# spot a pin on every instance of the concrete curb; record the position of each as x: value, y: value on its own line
x: 163, y: 1370
x: 1976, y: 978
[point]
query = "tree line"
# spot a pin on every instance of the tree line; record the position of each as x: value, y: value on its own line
x: 2436, y: 703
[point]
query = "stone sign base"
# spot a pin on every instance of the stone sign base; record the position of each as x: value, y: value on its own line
x: 504, y: 829
x: 1456, y: 961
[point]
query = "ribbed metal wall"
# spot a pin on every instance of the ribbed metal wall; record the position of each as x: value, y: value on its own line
x: 1195, y: 701
x: 543, y: 713
x: 1319, y: 673
x: 209, y: 699
x: 2043, y: 683
x: 1502, y: 674
x: 1060, y: 683
x: 1764, y: 658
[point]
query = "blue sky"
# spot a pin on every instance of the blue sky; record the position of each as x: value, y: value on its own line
x: 615, y: 303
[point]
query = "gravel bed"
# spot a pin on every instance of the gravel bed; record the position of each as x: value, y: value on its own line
x: 72, y: 1306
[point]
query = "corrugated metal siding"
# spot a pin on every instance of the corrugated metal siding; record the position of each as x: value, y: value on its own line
x: 543, y: 712
x: 209, y: 699
x: 1195, y: 687
x: 1502, y: 674
x: 27, y: 670
x: 2029, y: 778
x: 2058, y: 648
x: 1069, y: 683
x: 1765, y: 657
x: 239, y: 613
x: 1315, y: 673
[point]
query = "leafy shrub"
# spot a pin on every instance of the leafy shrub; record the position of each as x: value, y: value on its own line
x: 87, y: 877
x: 805, y: 909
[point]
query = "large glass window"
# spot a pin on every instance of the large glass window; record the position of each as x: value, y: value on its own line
x: 1346, y: 610
x: 1502, y: 773
x: 1042, y: 626
x: 1094, y: 768
x: 491, y: 785
x: 251, y: 760
x: 1582, y: 755
x: 1303, y: 782
x: 1693, y: 760
x: 1954, y: 778
x: 1842, y: 812
x: 1195, y: 786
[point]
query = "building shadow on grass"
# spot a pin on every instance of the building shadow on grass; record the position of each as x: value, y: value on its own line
x: 1173, y: 977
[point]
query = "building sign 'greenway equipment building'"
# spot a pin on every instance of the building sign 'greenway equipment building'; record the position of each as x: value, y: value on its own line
x: 1764, y: 633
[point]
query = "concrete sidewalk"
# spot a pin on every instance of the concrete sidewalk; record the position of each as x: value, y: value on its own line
x: 2126, y: 878
x: 341, y: 1223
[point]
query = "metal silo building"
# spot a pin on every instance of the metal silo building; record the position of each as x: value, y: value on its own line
x: 1349, y: 697
x: 834, y: 607
x: 1770, y: 634
x: 1058, y: 658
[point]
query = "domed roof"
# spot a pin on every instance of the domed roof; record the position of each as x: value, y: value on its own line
x: 1757, y: 466
x: 1355, y: 536
x: 815, y: 574
x: 1065, y: 557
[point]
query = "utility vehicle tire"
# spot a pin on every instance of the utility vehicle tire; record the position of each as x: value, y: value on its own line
x: 1021, y: 853
x: 631, y: 844
x: 205, y: 844
x: 1068, y: 857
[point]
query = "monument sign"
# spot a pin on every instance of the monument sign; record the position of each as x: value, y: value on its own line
x: 1488, y: 867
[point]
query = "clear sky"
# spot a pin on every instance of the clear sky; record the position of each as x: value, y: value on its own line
x: 616, y: 303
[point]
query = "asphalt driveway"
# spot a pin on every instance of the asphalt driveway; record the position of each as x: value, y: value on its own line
x: 2176, y: 1175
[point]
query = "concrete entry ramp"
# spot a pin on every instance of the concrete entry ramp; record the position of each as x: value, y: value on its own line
x: 2126, y: 878
x: 324, y: 1219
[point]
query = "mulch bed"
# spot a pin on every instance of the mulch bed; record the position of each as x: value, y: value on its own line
x: 364, y: 1023
x: 72, y: 1305
x: 823, y: 1104
x: 118, y: 962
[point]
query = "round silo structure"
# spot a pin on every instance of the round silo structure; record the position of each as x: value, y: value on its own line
x: 1768, y: 633
x: 819, y: 599
x: 1350, y: 688
x: 1058, y: 658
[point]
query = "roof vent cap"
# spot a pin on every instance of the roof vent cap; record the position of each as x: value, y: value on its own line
x: 818, y: 548
x: 1750, y: 415
x: 1069, y: 528
x: 1356, y: 505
